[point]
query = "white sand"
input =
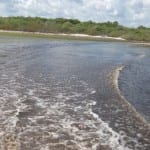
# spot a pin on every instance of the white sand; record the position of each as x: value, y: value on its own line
x: 63, y: 34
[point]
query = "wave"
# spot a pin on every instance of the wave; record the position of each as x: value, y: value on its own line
x: 115, y: 79
x: 113, y: 139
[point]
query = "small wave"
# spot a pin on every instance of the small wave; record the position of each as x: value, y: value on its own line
x: 141, y: 55
x: 115, y: 74
x: 115, y: 78
x: 115, y: 140
x: 126, y: 120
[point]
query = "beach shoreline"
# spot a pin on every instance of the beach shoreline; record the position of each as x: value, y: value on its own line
x: 83, y: 36
x: 72, y: 36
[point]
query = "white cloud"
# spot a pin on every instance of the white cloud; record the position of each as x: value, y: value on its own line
x: 3, y: 9
x: 128, y: 12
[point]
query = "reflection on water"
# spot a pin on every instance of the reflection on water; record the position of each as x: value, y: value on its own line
x: 64, y: 95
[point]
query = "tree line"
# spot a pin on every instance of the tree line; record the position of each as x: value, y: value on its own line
x: 61, y: 25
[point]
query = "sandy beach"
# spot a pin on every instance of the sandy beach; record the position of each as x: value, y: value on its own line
x: 63, y: 34
x: 75, y: 36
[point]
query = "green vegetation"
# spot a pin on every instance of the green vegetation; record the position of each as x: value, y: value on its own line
x: 60, y: 25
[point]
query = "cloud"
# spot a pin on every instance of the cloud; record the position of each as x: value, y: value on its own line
x: 128, y: 12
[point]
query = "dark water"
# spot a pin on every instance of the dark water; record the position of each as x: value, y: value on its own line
x: 65, y: 95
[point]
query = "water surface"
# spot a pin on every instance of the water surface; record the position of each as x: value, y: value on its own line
x: 57, y: 94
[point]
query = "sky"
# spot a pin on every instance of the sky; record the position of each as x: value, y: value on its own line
x: 127, y: 12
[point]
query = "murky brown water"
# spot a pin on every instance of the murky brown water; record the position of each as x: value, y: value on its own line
x: 65, y: 95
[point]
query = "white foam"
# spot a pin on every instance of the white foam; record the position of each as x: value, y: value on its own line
x: 112, y: 139
x: 75, y: 120
x: 116, y: 75
x: 141, y: 55
x: 93, y: 92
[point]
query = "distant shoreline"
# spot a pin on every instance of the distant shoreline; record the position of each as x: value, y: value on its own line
x: 64, y: 34
x: 73, y: 36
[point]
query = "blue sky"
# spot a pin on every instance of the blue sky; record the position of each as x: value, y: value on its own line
x: 126, y: 12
